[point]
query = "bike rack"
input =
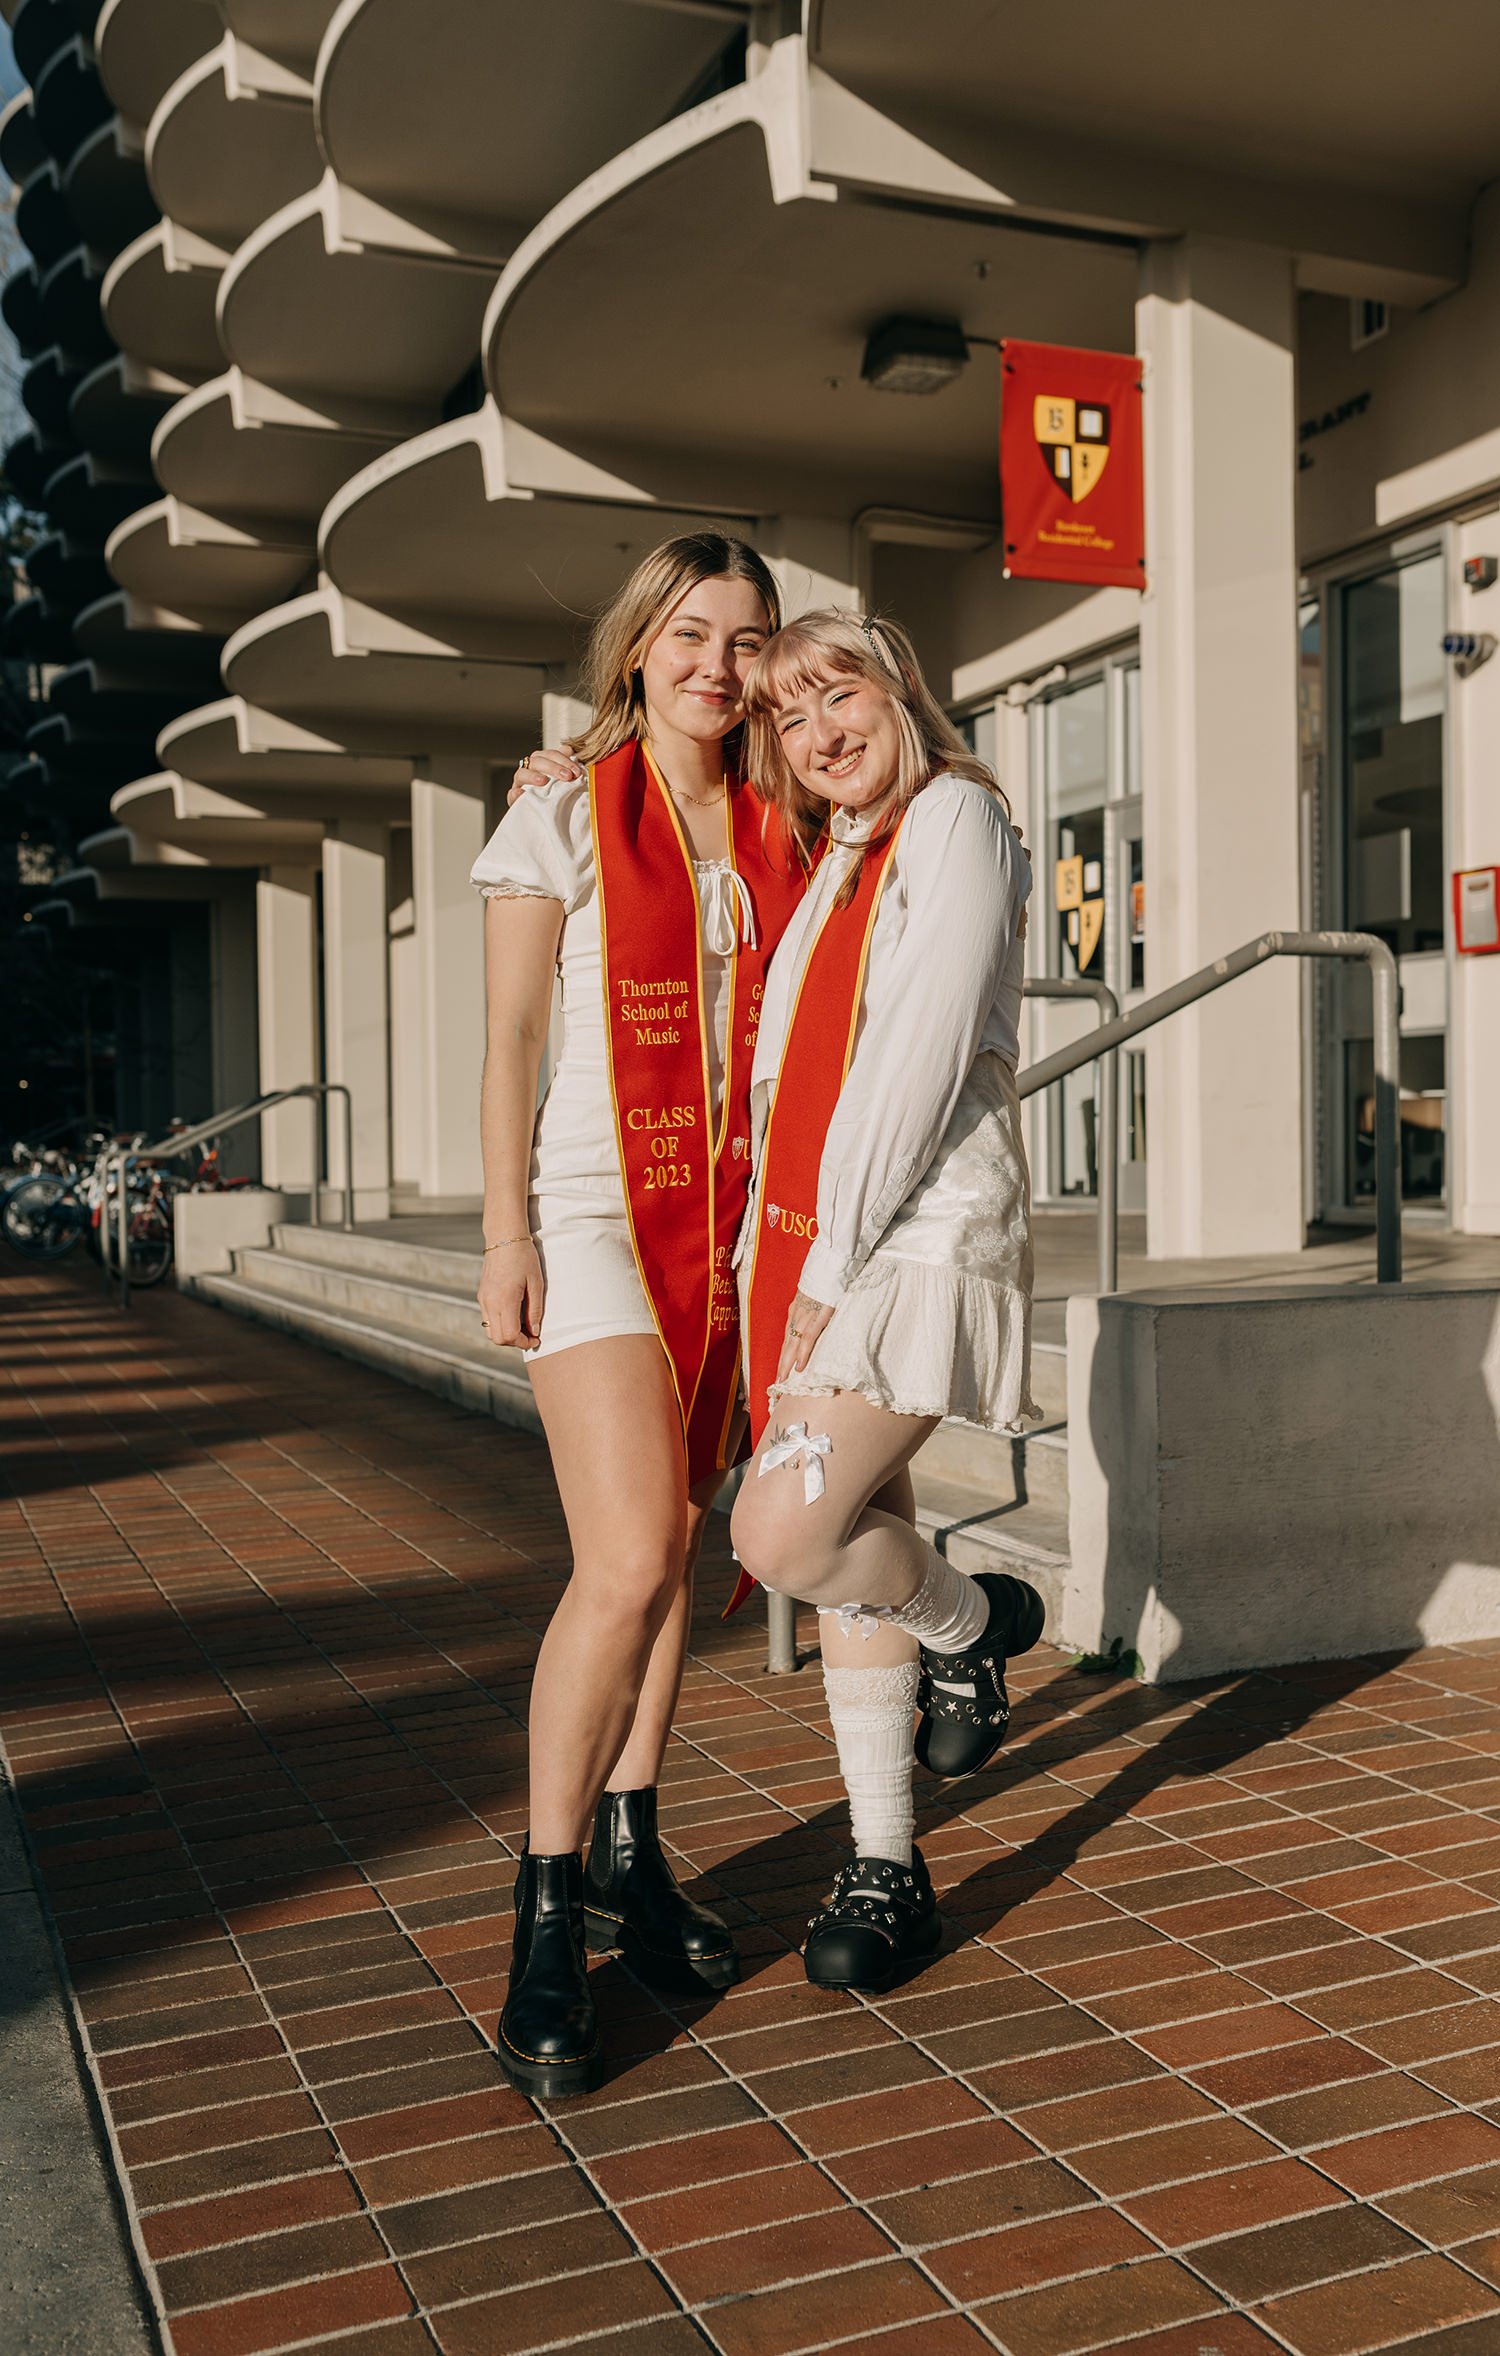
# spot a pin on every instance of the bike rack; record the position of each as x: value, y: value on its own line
x: 183, y: 1140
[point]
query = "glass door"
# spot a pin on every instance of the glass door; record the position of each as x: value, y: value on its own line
x: 1091, y: 899
x: 1387, y: 869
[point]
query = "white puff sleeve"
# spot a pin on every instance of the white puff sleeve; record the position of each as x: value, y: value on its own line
x: 542, y: 848
x: 966, y: 881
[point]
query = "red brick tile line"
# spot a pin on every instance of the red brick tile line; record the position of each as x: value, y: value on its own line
x: 1211, y: 2061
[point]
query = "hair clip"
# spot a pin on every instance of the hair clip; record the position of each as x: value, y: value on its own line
x: 878, y: 646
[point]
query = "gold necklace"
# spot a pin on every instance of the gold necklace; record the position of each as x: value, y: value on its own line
x: 681, y: 794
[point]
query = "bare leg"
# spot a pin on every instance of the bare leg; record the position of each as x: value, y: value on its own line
x: 639, y: 1763
x: 612, y: 1424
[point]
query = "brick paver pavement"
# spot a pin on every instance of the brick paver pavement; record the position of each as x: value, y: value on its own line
x: 1210, y: 2061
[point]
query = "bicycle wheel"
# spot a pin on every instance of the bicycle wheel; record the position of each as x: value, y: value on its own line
x: 150, y: 1242
x: 42, y: 1217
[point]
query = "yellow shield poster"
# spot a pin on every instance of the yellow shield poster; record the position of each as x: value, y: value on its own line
x: 1074, y: 440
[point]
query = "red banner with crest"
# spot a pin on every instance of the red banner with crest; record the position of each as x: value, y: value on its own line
x: 1072, y: 485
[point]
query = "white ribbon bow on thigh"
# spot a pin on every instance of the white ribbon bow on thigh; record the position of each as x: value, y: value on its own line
x: 812, y: 1447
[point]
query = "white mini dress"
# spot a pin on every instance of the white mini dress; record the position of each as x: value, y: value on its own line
x: 924, y: 1197
x: 544, y: 848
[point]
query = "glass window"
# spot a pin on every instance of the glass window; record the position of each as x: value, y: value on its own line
x: 1393, y: 719
x: 1131, y: 783
x: 1077, y: 747
x: 1388, y: 866
x: 1089, y: 744
x: 1077, y: 723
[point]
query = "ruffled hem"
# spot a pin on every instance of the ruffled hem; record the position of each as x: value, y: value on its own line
x: 918, y: 1339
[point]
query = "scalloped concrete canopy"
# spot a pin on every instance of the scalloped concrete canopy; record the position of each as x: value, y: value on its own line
x: 158, y: 301
x: 176, y: 556
x: 303, y: 661
x: 238, y: 449
x: 772, y: 412
x: 1349, y: 141
x: 476, y: 140
x: 289, y: 30
x: 319, y: 313
x: 429, y: 534
x: 241, y: 749
x: 143, y: 45
x: 230, y: 142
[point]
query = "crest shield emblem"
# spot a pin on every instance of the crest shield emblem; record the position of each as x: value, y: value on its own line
x: 1073, y: 437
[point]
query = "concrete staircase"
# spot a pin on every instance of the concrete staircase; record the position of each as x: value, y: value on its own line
x: 408, y: 1308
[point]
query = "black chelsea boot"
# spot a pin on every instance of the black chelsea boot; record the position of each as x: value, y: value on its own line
x: 631, y: 1901
x: 548, y: 2041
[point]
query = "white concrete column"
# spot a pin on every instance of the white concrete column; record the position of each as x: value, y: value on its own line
x: 287, y: 1002
x: 355, y: 1010
x: 448, y: 830
x: 812, y: 557
x: 236, y: 1046
x: 1219, y: 710
x: 1473, y: 1108
x: 564, y: 718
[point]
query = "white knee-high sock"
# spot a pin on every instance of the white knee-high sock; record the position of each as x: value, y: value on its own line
x: 871, y: 1711
x: 947, y: 1612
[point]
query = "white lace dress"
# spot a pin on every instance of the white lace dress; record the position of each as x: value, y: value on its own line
x: 924, y: 1196
x: 543, y: 847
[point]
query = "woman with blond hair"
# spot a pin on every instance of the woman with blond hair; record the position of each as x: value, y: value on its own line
x: 885, y: 1264
x: 657, y: 883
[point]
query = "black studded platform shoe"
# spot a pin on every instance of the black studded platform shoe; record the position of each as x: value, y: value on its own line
x: 962, y: 1698
x: 632, y: 1902
x: 877, y: 1916
x: 548, y: 2041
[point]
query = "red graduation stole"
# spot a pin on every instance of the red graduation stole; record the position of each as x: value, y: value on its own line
x: 814, y: 1062
x: 685, y: 1183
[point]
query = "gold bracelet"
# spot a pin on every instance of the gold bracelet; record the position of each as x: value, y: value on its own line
x: 504, y: 1244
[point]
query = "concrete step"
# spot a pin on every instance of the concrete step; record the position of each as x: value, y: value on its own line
x: 1049, y: 1378
x: 1030, y: 1470
x: 438, y: 1312
x: 377, y: 1255
x: 439, y: 1277
x: 490, y: 1381
x: 977, y: 1535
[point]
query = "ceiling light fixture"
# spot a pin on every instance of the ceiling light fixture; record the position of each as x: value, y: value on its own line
x: 915, y: 355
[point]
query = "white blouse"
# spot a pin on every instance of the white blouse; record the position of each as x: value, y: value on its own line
x: 942, y: 986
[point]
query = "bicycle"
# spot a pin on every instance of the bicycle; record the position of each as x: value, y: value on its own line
x: 49, y: 1209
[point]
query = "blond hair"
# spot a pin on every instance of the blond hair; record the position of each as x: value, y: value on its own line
x: 831, y: 643
x: 623, y: 632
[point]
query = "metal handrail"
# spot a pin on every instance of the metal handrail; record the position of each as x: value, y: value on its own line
x: 1382, y: 964
x: 1107, y: 1132
x: 183, y: 1140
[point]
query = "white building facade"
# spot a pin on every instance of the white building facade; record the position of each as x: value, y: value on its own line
x: 433, y: 314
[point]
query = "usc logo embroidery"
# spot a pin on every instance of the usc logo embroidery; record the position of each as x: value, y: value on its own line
x: 791, y: 1222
